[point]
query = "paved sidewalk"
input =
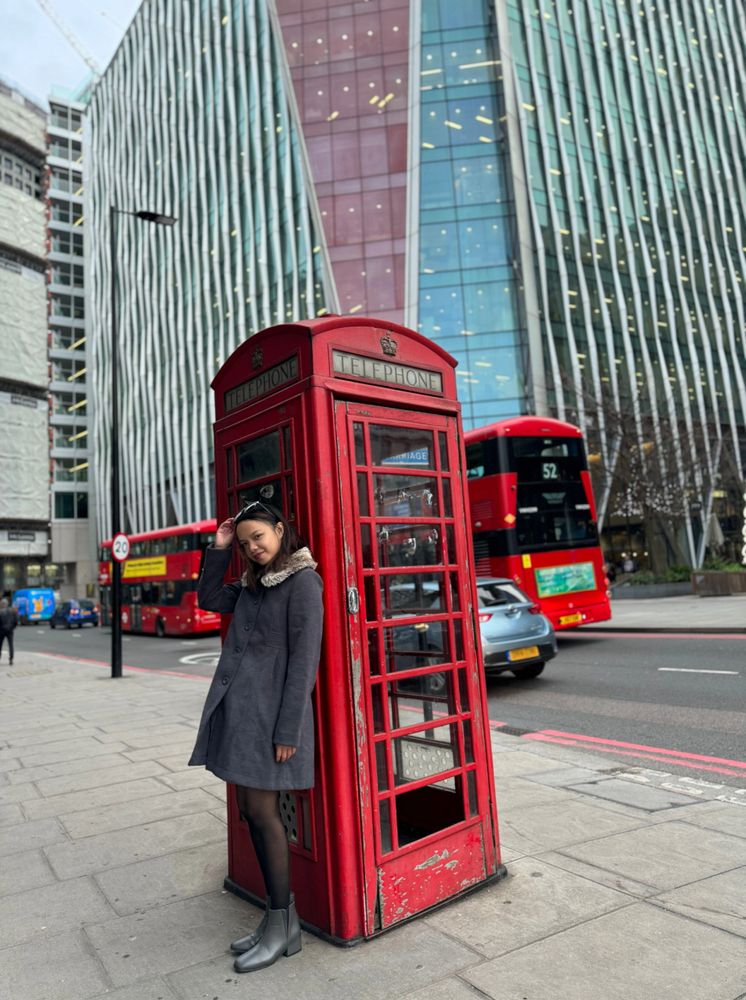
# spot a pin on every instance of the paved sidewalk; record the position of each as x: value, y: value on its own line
x: 624, y: 883
x: 672, y: 614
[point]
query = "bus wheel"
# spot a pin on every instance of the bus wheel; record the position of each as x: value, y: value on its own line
x: 532, y: 671
x: 160, y: 628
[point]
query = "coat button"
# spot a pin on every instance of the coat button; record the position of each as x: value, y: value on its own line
x: 246, y: 628
x: 237, y: 649
x: 224, y: 680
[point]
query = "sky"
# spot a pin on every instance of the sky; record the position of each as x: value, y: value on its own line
x: 35, y: 56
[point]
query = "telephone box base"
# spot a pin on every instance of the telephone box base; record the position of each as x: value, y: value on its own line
x: 258, y: 901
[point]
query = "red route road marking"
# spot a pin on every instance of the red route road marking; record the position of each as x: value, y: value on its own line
x: 642, y: 746
x: 590, y: 634
x: 138, y: 670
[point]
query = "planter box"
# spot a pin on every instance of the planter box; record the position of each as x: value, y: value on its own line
x: 718, y: 583
x: 649, y: 590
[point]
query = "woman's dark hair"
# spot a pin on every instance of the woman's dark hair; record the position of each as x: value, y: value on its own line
x: 289, y: 543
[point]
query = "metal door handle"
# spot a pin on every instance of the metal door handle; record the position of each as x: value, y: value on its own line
x: 353, y: 600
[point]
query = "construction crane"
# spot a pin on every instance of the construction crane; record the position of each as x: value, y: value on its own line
x: 71, y: 38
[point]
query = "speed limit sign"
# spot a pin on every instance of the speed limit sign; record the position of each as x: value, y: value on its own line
x: 120, y: 547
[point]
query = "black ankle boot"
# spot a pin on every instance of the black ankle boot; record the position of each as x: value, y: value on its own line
x: 244, y: 944
x: 281, y: 937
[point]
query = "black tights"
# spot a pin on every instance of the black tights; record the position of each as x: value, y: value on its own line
x: 261, y: 810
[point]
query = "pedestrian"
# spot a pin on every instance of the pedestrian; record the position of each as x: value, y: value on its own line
x: 256, y: 730
x: 8, y: 622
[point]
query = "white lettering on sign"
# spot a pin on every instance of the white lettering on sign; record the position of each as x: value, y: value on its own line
x: 253, y: 388
x: 403, y: 376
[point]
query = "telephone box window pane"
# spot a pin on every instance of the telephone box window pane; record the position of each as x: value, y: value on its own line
x: 471, y: 786
x: 405, y: 496
x: 421, y: 755
x: 420, y: 699
x: 384, y: 813
x: 463, y: 691
x: 406, y: 446
x: 229, y: 466
x: 458, y: 635
x: 447, y: 504
x: 287, y: 445
x: 366, y: 547
x: 362, y: 494
x: 376, y: 697
x: 443, y: 444
x: 259, y: 457
x: 409, y: 545
x: 450, y: 544
x: 291, y: 498
x: 374, y: 653
x: 424, y: 644
x: 468, y: 743
x: 359, y: 433
x: 270, y: 493
x: 382, y: 773
x: 412, y: 594
x: 426, y: 810
x: 454, y: 592
x: 371, y: 609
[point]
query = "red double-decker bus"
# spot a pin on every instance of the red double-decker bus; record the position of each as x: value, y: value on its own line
x: 534, y: 516
x: 159, y: 581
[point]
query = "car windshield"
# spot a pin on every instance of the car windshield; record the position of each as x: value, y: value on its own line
x: 86, y: 605
x: 492, y: 594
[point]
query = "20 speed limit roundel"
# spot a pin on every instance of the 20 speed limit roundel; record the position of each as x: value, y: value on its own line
x: 120, y: 547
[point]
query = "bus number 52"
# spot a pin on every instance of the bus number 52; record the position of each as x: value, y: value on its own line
x: 549, y: 470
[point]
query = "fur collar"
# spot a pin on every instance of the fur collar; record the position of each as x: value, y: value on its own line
x: 301, y: 559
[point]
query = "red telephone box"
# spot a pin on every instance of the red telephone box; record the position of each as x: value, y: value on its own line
x: 352, y: 428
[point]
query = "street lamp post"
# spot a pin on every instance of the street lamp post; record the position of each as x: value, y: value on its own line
x: 116, y: 516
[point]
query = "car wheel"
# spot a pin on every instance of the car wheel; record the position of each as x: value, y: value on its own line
x: 68, y: 624
x: 51, y: 623
x: 533, y: 671
x: 160, y: 628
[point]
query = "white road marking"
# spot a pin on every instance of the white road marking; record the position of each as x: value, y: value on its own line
x: 687, y: 670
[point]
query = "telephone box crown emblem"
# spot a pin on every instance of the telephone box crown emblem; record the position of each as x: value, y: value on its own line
x: 257, y: 358
x: 389, y: 345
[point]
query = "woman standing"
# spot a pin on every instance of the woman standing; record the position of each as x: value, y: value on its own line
x: 256, y: 730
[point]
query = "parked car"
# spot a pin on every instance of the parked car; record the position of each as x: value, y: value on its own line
x: 75, y: 613
x: 516, y: 636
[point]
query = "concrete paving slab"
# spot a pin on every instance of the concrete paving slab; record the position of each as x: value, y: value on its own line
x: 516, y: 793
x: 39, y: 913
x: 535, y: 901
x: 638, y: 953
x: 68, y: 970
x: 25, y: 870
x: 175, y: 762
x: 447, y: 989
x: 9, y: 763
x: 151, y: 989
x: 53, y: 753
x: 563, y: 777
x: 719, y: 901
x: 38, y: 736
x: 93, y: 798
x: 123, y: 722
x: 182, y: 750
x: 665, y: 855
x: 160, y: 736
x: 194, y: 777
x: 630, y: 793
x: 729, y: 819
x: 145, y: 884
x: 26, y: 836
x: 98, y: 776
x: 542, y: 828
x: 18, y: 793
x: 519, y: 762
x: 168, y: 938
x: 78, y: 766
x: 601, y: 876
x: 122, y: 847
x: 403, y: 960
x: 10, y: 814
x: 137, y: 812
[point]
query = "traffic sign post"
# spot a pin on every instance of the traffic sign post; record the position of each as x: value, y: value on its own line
x: 120, y: 549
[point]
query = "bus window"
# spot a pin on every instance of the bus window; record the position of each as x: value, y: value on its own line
x: 556, y: 516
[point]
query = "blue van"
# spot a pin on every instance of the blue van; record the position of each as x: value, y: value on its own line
x: 34, y: 605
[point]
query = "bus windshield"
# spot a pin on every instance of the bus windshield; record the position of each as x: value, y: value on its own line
x: 552, y: 516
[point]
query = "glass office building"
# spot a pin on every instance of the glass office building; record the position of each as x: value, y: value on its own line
x: 552, y: 192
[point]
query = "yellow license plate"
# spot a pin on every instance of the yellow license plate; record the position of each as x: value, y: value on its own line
x: 527, y: 653
x: 570, y: 619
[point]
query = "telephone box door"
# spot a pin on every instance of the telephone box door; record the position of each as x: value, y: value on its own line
x: 426, y: 814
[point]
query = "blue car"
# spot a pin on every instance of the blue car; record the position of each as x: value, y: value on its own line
x: 75, y: 614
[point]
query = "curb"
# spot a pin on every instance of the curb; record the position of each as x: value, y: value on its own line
x: 657, y: 630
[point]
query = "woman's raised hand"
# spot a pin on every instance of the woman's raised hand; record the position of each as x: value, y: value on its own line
x: 224, y: 534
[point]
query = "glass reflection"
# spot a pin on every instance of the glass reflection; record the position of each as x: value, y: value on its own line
x: 404, y: 446
x: 409, y: 545
x: 412, y: 594
x: 405, y: 496
x: 423, y: 644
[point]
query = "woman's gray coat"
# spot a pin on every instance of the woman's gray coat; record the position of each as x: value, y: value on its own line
x: 261, y: 692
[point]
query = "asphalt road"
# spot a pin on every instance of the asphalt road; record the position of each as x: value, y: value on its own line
x: 639, y: 699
